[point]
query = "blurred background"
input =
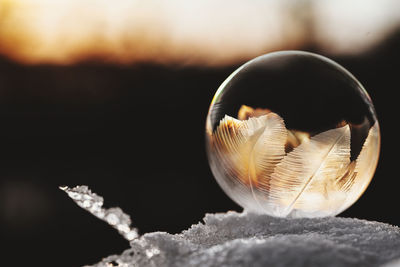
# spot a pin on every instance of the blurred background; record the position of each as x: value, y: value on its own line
x: 114, y: 95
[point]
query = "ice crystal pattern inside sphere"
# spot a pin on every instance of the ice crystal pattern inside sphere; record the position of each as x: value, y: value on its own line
x: 292, y: 134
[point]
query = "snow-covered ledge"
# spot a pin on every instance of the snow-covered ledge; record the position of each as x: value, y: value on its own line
x: 247, y: 239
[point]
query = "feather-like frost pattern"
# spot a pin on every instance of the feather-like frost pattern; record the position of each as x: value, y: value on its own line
x: 363, y: 167
x: 312, y: 166
x: 268, y: 151
x: 287, y: 172
x: 251, y: 148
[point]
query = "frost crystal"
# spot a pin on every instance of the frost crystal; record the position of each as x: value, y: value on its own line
x: 94, y: 204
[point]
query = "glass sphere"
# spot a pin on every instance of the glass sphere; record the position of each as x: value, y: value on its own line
x: 292, y: 134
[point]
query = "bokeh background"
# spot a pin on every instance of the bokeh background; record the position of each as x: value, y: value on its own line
x: 114, y: 95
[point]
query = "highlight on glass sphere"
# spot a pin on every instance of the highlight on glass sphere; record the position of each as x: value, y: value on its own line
x: 293, y: 134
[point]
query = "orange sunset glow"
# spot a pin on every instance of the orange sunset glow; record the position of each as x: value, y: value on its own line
x: 194, y: 32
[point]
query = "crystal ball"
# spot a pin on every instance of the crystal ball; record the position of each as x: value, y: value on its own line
x: 292, y: 134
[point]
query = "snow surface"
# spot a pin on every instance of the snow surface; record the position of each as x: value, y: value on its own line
x: 247, y: 239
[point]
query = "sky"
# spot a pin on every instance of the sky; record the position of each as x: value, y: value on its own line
x: 208, y: 32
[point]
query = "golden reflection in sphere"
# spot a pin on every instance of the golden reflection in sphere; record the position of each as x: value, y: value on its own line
x: 292, y: 134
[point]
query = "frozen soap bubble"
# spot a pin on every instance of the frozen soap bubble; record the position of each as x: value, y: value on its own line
x: 292, y: 134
